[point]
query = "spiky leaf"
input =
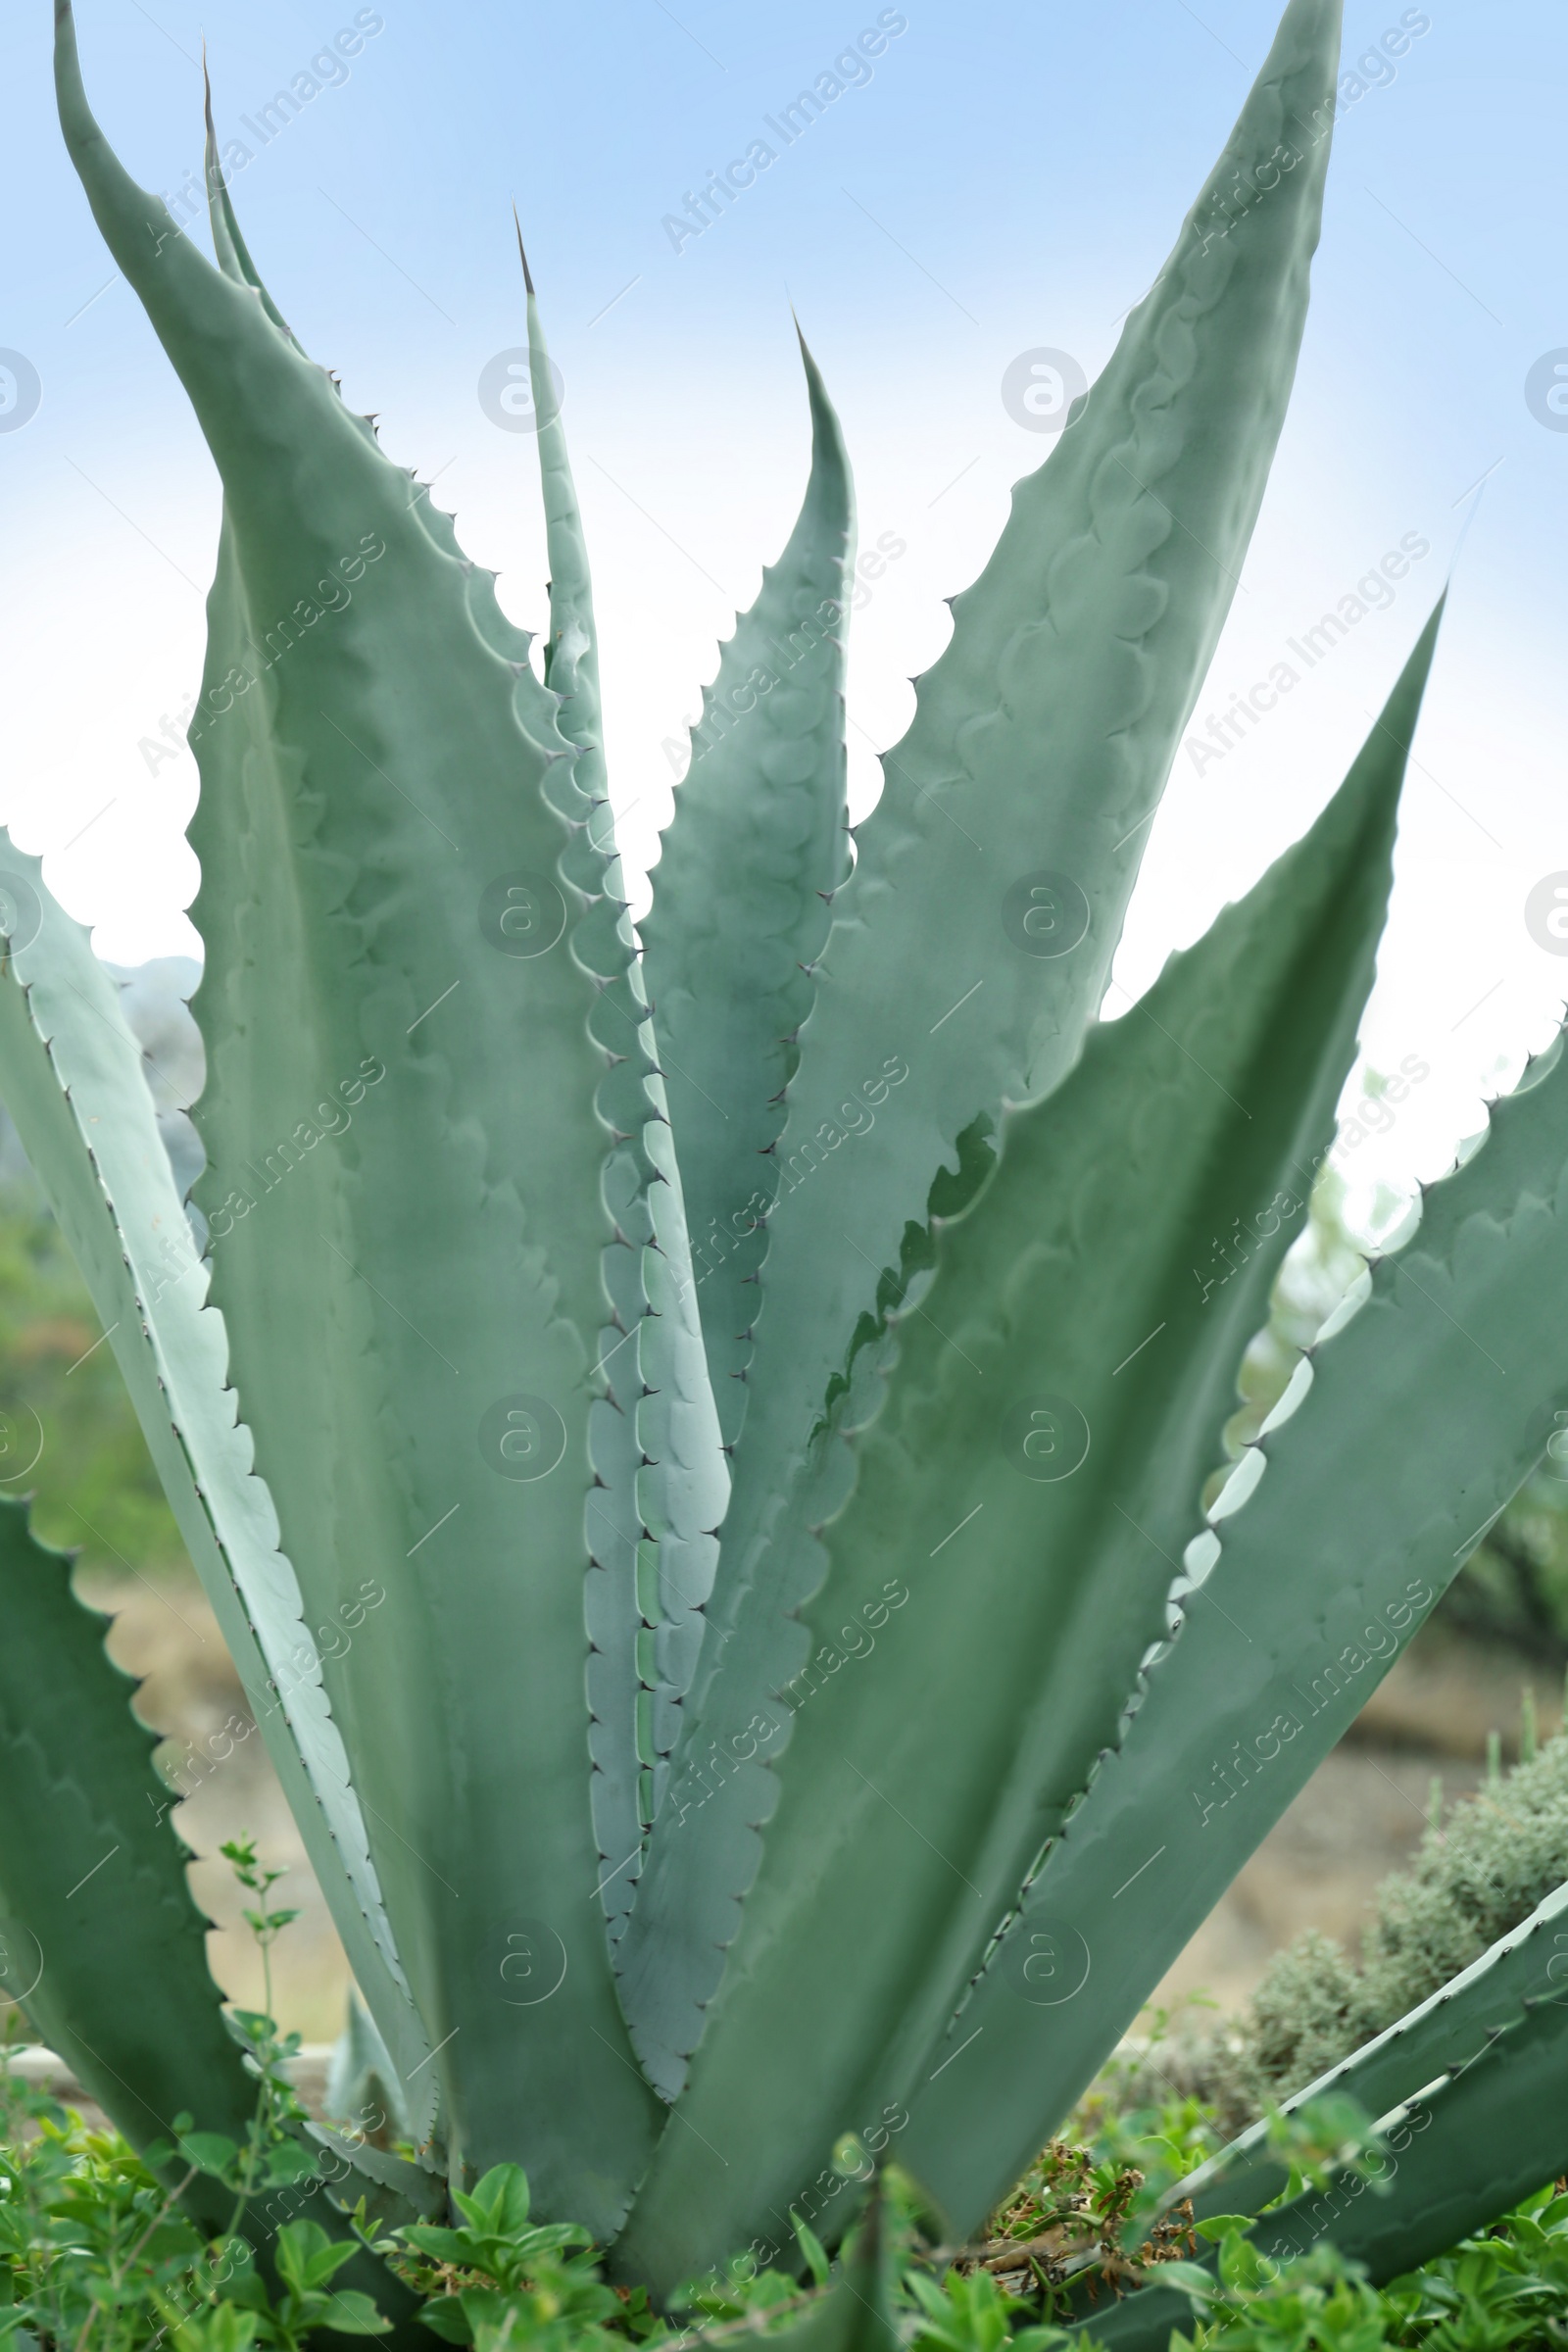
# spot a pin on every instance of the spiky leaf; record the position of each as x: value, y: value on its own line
x: 1441, y: 2036
x: 1468, y: 2095
x: 1419, y: 1417
x: 660, y: 1481
x: 1021, y: 1498
x: 1012, y: 820
x: 741, y: 898
x: 103, y: 1945
x: 386, y: 819
x: 70, y: 1073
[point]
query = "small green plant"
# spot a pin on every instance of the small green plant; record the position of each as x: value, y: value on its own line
x: 98, y: 2255
x: 244, y: 2312
x: 1313, y: 2304
x: 968, y: 2311
x: 89, y: 2240
x: 1506, y: 2288
x: 267, y: 2051
x: 497, y: 2278
x: 95, y: 2252
x: 101, y: 2254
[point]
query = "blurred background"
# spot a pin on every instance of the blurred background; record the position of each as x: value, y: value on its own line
x: 1002, y: 179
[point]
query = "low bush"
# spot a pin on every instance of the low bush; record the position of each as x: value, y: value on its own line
x: 97, y: 2256
x: 1480, y: 1871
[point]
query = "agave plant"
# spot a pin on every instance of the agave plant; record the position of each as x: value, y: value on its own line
x: 771, y: 1373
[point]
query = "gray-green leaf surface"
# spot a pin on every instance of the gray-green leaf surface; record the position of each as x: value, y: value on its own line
x: 1416, y: 1421
x: 1468, y: 2093
x: 385, y: 815
x: 1053, y: 1399
x: 1008, y: 835
x: 104, y: 1947
x: 742, y: 894
x: 660, y: 1480
x: 70, y: 1073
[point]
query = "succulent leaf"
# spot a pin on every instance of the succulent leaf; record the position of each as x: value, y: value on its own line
x: 660, y: 1481
x: 1053, y: 1399
x: 105, y: 1947
x: 651, y: 1512
x: 1441, y: 2036
x: 1013, y: 818
x: 1422, y: 1416
x: 388, y: 901
x: 1468, y: 2095
x: 742, y: 893
x: 71, y: 1076
x: 447, y: 1413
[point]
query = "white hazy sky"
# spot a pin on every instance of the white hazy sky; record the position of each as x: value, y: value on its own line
x: 1009, y: 177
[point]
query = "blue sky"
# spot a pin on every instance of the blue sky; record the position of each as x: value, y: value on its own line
x: 1005, y: 176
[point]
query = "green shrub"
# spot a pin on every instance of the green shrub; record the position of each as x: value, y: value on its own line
x: 1478, y: 1874
x: 95, y: 2256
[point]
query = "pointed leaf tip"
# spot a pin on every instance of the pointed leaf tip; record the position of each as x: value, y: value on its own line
x: 1401, y: 709
x: 211, y: 127
x: 527, y: 275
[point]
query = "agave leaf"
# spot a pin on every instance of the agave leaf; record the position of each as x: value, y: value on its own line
x: 751, y: 860
x: 397, y: 2193
x: 1461, y: 2148
x: 1441, y: 2036
x: 71, y: 1076
x: 1468, y: 2092
x: 662, y: 1483
x: 1422, y: 1413
x: 412, y: 1279
x: 1022, y: 1493
x: 361, y: 2081
x: 1013, y: 817
x: 104, y: 1947
x: 228, y: 241
x: 572, y: 655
